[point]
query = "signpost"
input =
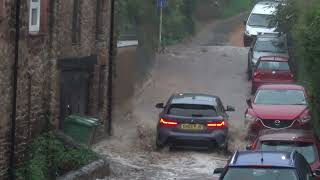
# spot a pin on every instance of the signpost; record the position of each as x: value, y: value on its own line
x: 161, y: 4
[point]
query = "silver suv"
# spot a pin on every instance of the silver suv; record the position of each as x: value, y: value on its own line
x: 260, y: 20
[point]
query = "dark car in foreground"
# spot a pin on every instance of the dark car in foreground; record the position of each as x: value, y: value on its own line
x: 271, y: 70
x: 193, y: 120
x: 266, y: 45
x: 302, y: 141
x: 277, y: 106
x: 266, y: 165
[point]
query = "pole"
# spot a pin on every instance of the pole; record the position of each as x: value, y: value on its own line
x: 110, y: 70
x: 160, y: 29
x: 14, y: 93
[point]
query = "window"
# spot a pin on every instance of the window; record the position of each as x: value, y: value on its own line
x: 267, y: 45
x: 280, y: 97
x: 306, y: 149
x: 76, y: 22
x: 192, y: 110
x: 260, y: 174
x: 34, y: 16
x: 261, y: 20
x: 274, y: 65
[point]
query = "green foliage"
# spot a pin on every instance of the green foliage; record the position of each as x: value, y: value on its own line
x: 48, y: 158
x: 234, y: 7
x: 178, y: 20
x: 301, y: 20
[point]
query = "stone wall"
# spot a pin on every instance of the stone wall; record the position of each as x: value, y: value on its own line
x: 38, y: 94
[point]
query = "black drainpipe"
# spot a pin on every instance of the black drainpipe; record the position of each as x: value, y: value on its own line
x: 110, y: 70
x: 14, y: 92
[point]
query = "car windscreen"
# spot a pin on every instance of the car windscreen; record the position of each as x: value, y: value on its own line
x: 273, y: 46
x: 280, y: 97
x: 306, y: 149
x: 273, y: 65
x: 262, y: 20
x: 192, y: 110
x: 260, y: 174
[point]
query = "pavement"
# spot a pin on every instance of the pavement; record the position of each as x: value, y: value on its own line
x: 212, y: 62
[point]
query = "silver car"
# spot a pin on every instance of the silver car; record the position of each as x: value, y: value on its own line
x: 266, y: 45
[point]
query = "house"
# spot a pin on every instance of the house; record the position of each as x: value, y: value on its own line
x: 63, y: 66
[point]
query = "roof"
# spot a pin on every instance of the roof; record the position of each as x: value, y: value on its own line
x: 273, y: 35
x: 274, y: 58
x: 262, y: 158
x: 282, y: 86
x: 265, y: 7
x: 194, y: 98
x: 287, y: 135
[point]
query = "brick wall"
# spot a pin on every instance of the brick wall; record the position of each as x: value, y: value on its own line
x: 38, y: 95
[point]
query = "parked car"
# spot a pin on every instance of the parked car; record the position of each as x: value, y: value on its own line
x: 266, y: 165
x: 277, y: 106
x: 304, y: 142
x: 271, y: 70
x: 266, y: 45
x: 194, y: 120
x: 260, y: 20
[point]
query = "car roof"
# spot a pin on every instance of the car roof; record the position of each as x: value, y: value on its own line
x: 274, y: 58
x: 265, y: 7
x: 273, y: 35
x: 262, y: 158
x: 287, y: 135
x: 194, y: 98
x: 282, y: 86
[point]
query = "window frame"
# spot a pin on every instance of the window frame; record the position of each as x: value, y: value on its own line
x: 34, y: 5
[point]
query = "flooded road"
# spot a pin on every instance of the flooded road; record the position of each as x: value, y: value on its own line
x: 196, y: 66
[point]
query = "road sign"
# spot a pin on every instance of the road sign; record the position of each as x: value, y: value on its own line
x: 161, y: 3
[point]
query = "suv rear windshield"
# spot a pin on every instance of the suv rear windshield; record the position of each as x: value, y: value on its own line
x: 268, y: 45
x: 306, y: 149
x: 192, y: 110
x: 260, y: 174
x: 261, y: 20
x: 274, y: 65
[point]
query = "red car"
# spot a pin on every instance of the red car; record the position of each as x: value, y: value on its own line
x: 277, y: 106
x: 304, y: 142
x: 271, y: 69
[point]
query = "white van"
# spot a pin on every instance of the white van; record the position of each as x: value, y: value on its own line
x: 260, y: 20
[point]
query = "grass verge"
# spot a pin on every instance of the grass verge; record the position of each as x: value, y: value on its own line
x: 48, y: 158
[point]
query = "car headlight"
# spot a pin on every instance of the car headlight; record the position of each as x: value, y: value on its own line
x: 304, y: 119
x: 247, y: 33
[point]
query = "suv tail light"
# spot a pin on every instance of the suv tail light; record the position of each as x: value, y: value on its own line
x: 256, y: 74
x: 167, y: 122
x: 216, y: 124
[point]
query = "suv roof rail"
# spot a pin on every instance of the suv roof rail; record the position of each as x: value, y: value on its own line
x: 272, y: 34
x: 292, y: 156
x: 234, y: 157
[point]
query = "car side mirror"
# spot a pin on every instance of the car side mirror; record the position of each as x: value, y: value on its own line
x: 218, y: 171
x: 230, y: 108
x: 249, y: 102
x: 245, y: 22
x: 249, y: 147
x: 160, y: 105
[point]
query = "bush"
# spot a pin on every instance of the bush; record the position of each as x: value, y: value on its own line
x: 48, y: 158
x: 301, y: 19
